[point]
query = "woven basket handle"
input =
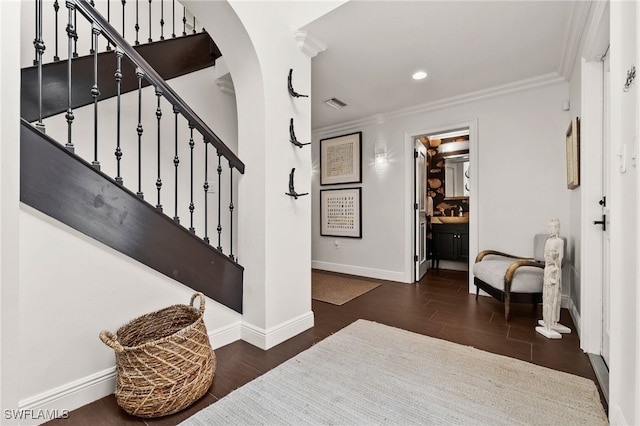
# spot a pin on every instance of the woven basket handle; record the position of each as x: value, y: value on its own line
x: 193, y: 298
x: 110, y: 339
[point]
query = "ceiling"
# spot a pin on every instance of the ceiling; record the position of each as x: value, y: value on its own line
x: 466, y: 47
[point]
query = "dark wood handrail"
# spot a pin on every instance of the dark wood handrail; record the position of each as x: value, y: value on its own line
x: 156, y: 80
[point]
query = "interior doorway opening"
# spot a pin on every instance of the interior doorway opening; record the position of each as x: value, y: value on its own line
x: 410, y: 210
x: 442, y: 187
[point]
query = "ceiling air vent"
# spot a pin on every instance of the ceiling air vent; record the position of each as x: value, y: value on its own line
x: 335, y: 103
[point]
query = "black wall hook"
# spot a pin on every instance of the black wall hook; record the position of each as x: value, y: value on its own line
x: 292, y: 191
x: 290, y: 87
x: 292, y: 136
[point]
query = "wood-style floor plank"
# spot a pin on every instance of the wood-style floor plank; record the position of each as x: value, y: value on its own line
x: 438, y: 306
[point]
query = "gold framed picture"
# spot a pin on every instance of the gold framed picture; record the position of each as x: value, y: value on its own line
x: 573, y: 154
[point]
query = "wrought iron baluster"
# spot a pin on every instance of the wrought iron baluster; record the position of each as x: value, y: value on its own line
x: 75, y: 33
x: 38, y: 44
x: 173, y: 34
x: 191, y: 206
x: 35, y: 37
x: 137, y: 27
x: 56, y: 8
x: 159, y: 179
x: 94, y: 40
x: 161, y: 19
x: 176, y: 162
x: 139, y: 129
x: 70, y: 35
x: 184, y: 21
x: 108, y: 20
x: 118, y: 76
x: 124, y: 2
x: 95, y: 92
x: 206, y: 190
x: 194, y: 25
x: 150, y: 39
x: 219, y: 228
x: 231, y: 207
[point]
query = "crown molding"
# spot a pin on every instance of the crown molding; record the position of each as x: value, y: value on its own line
x: 592, y: 47
x: 309, y: 44
x: 226, y: 86
x: 223, y: 77
x: 529, y: 83
x: 573, y: 36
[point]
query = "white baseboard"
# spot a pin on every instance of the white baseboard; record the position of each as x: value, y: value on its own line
x: 573, y: 310
x: 265, y: 339
x: 91, y: 388
x: 360, y: 271
x: 88, y: 389
x: 616, y: 417
x: 225, y: 335
x: 72, y: 395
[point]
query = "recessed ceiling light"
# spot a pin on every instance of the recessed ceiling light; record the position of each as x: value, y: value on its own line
x: 419, y: 75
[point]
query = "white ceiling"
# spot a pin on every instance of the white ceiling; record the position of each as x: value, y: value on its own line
x: 373, y: 48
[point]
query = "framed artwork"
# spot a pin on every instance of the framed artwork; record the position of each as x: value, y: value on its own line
x: 573, y: 154
x: 341, y: 212
x: 341, y: 159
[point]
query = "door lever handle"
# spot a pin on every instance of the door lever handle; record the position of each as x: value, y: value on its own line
x: 602, y: 222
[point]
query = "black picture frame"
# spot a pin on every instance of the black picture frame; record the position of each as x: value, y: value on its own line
x: 341, y: 212
x: 341, y: 159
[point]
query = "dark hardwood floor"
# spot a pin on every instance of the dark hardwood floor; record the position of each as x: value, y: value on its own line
x: 438, y: 306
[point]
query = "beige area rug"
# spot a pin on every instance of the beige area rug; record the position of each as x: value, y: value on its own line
x: 336, y: 289
x: 368, y: 374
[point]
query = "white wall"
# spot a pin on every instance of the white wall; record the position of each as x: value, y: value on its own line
x: 522, y: 180
x: 573, y: 229
x: 624, y: 375
x: 257, y: 41
x: 71, y: 288
x: 9, y: 206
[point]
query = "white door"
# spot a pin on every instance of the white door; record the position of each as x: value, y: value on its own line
x: 606, y: 236
x: 420, y: 206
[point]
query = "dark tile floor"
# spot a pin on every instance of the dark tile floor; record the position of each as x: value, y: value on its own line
x: 438, y: 306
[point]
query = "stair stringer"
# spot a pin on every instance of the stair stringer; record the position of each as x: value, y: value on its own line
x: 65, y: 187
x: 171, y: 58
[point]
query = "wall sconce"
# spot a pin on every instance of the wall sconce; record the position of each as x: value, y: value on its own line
x: 379, y: 154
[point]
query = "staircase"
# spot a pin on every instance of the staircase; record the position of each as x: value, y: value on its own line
x: 171, y: 58
x: 89, y: 194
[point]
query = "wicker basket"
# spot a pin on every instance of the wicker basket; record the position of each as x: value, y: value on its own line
x: 164, y: 361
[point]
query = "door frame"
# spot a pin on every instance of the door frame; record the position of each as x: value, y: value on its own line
x: 409, y: 191
x: 588, y: 319
x: 420, y: 238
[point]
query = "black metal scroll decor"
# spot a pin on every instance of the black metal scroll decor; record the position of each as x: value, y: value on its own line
x: 292, y: 191
x: 292, y: 136
x: 293, y: 139
x: 292, y: 92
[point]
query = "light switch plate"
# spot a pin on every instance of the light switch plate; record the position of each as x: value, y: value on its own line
x: 622, y: 159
